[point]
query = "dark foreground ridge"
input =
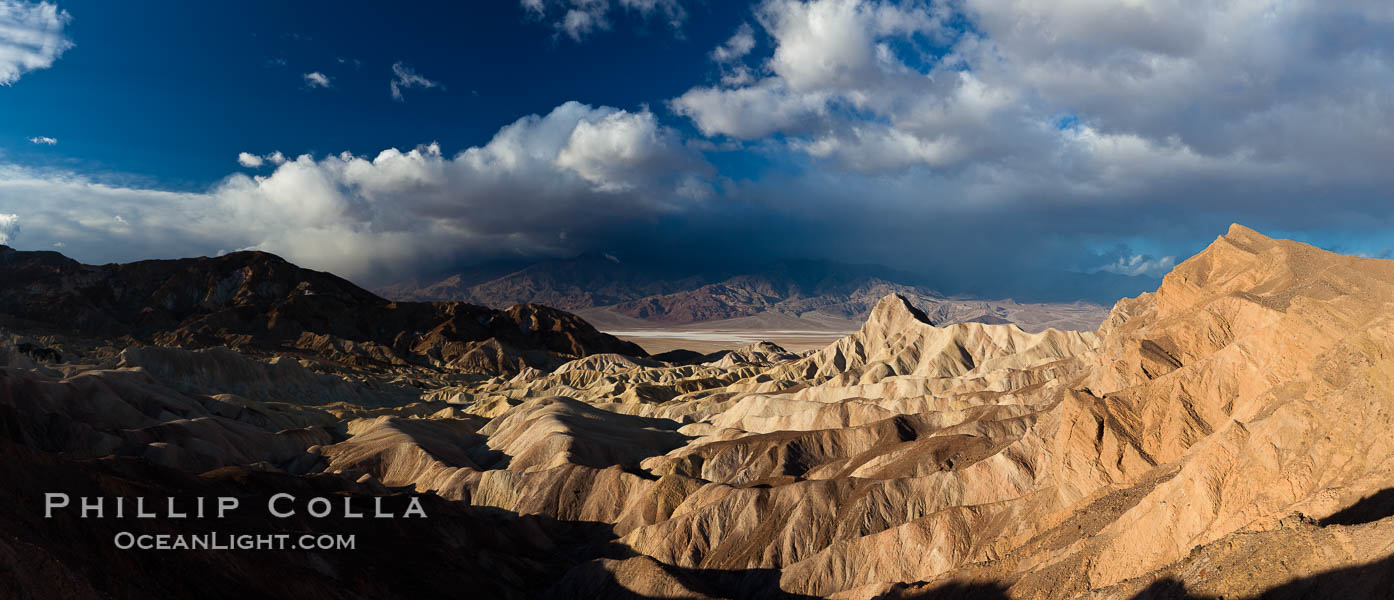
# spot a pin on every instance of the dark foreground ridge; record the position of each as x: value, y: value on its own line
x: 259, y: 302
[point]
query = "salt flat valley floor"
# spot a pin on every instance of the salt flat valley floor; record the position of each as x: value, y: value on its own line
x: 659, y: 340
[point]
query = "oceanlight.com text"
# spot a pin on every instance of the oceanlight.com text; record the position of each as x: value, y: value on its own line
x: 126, y: 540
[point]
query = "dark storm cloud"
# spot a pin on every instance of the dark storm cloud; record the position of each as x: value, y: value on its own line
x: 982, y: 142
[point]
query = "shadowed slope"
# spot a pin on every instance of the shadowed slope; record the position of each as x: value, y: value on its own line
x: 259, y: 301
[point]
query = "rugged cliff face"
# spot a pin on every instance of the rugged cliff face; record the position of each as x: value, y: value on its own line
x: 1226, y: 435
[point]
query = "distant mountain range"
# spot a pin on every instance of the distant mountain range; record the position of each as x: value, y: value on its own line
x: 586, y: 281
x: 803, y: 294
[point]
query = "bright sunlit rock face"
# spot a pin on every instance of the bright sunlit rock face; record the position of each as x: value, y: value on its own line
x: 1234, y: 418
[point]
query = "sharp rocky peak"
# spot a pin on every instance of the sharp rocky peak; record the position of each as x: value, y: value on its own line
x: 894, y: 310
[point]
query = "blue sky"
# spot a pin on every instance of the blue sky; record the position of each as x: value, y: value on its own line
x: 173, y: 90
x: 978, y: 141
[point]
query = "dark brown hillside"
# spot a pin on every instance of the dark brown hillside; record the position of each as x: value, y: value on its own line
x: 257, y: 300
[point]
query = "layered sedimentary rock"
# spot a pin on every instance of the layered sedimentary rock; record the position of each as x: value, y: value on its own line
x: 1249, y: 388
x: 1226, y: 435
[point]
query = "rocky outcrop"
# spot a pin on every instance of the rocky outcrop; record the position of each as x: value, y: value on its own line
x: 1216, y: 406
x: 1225, y: 435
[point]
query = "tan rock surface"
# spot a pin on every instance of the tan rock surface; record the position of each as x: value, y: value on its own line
x: 1226, y: 435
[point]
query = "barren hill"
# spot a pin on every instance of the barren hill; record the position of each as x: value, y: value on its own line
x: 261, y: 302
x: 1223, y: 436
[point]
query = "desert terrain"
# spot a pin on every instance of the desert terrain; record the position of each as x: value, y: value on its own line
x: 718, y: 339
x: 1225, y: 436
x: 803, y: 296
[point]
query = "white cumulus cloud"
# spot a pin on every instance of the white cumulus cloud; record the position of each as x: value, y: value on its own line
x: 882, y: 86
x: 581, y: 169
x: 983, y: 134
x: 316, y: 80
x: 31, y: 37
x: 255, y: 161
x: 43, y: 140
x: 9, y: 227
x: 615, y: 152
x: 249, y: 160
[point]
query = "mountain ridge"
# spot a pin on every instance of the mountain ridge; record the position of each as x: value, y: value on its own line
x: 258, y: 300
x: 814, y: 290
